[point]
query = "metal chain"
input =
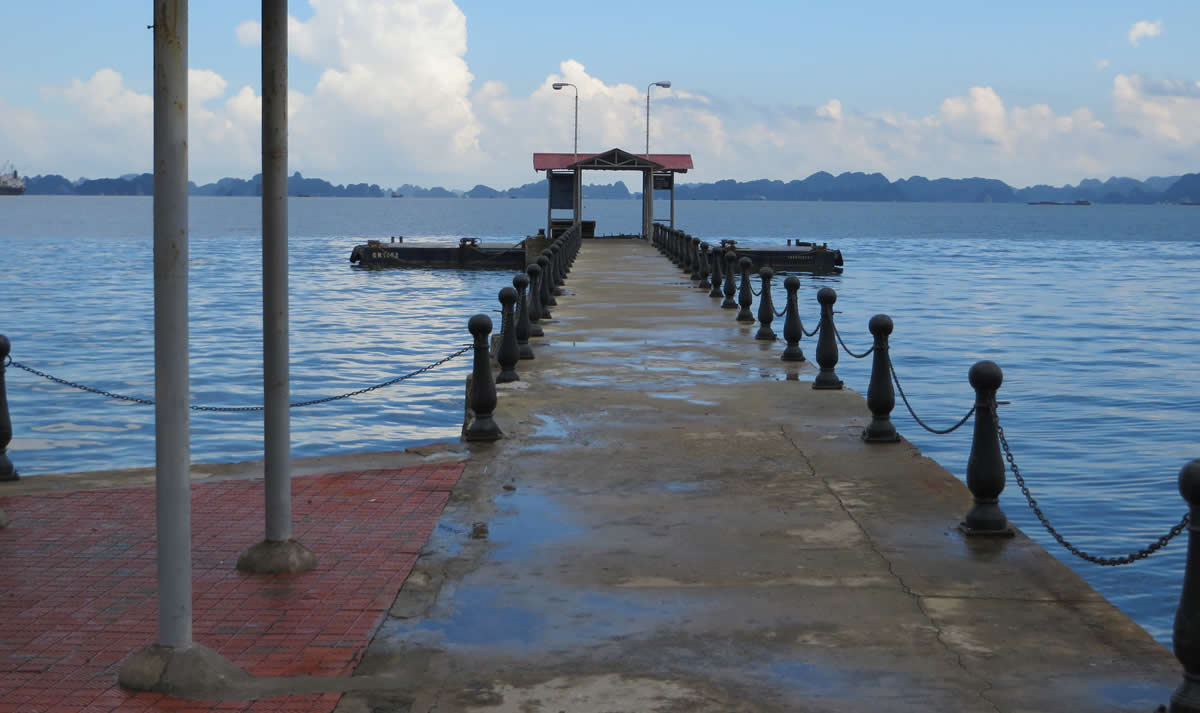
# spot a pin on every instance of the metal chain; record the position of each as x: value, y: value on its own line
x: 230, y: 409
x: 867, y: 353
x: 1130, y: 558
x: 808, y: 333
x: 782, y: 312
x: 904, y: 398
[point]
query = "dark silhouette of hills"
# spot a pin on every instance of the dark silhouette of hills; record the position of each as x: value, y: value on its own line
x: 820, y: 186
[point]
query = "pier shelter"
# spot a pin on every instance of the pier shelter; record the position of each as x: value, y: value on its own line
x: 564, y: 174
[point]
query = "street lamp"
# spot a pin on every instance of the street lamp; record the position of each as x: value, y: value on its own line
x: 664, y: 85
x: 560, y: 85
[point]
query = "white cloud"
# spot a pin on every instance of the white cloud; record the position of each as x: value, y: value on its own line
x: 1142, y: 29
x: 1101, y: 64
x: 249, y: 33
x: 364, y: 120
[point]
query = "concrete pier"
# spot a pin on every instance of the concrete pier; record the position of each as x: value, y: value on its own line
x: 676, y: 521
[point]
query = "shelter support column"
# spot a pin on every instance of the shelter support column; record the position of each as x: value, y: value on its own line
x: 549, y: 204
x: 175, y: 662
x: 672, y: 201
x: 578, y: 203
x: 647, y: 203
x: 278, y: 552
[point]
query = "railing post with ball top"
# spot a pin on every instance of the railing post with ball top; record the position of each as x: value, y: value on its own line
x: 827, y: 348
x: 7, y: 471
x: 547, y: 283
x: 881, y: 398
x: 766, y: 308
x: 704, y: 260
x: 535, y: 299
x: 793, y: 328
x: 483, y: 389
x: 715, y: 257
x: 1186, y: 636
x: 745, y: 292
x: 730, y: 286
x: 521, y: 282
x: 694, y: 244
x: 508, y: 354
x: 985, y: 464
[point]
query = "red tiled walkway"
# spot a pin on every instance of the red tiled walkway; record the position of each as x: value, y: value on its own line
x: 78, y: 593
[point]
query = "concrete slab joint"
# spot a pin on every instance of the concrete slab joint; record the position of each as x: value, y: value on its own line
x: 273, y: 557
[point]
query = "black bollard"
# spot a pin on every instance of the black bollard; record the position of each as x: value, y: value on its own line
x: 696, y: 274
x: 881, y: 398
x: 7, y: 471
x: 793, y: 328
x: 985, y: 464
x: 535, y: 299
x: 1186, y: 637
x: 547, y: 283
x: 715, y: 257
x: 704, y: 263
x: 745, y: 293
x: 730, y: 287
x: 483, y: 390
x: 552, y: 254
x: 508, y: 354
x: 827, y: 348
x: 524, y: 351
x: 766, y: 308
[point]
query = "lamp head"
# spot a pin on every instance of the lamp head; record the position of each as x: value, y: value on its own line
x: 559, y: 85
x: 664, y: 84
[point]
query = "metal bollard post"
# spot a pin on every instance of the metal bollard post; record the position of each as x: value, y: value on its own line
x: 793, y: 329
x: 694, y: 243
x: 7, y: 471
x: 881, y: 398
x: 547, y: 283
x: 704, y: 261
x: 827, y: 348
x: 745, y: 295
x: 535, y: 299
x: 521, y: 282
x: 985, y: 464
x: 766, y: 308
x: 555, y: 251
x: 508, y: 354
x: 715, y: 257
x: 483, y: 389
x: 730, y: 286
x: 1186, y: 636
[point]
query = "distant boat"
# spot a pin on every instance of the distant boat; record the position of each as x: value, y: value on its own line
x: 10, y: 183
x: 1057, y: 203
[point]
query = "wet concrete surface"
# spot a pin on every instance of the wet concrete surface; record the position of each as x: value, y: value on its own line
x: 677, y: 522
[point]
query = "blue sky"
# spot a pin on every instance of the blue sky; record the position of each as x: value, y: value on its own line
x: 438, y: 92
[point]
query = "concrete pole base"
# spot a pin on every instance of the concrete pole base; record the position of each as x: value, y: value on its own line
x: 192, y: 672
x: 275, y: 557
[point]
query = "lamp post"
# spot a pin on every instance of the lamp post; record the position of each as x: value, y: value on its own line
x: 664, y: 85
x: 560, y: 85
x: 577, y: 199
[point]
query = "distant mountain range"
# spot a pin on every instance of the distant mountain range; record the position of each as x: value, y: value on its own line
x: 820, y: 186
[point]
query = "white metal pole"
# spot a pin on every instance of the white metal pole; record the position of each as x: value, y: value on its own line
x: 276, y: 391
x: 172, y: 454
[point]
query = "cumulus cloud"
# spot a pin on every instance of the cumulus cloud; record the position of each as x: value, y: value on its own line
x: 363, y: 119
x: 1143, y: 29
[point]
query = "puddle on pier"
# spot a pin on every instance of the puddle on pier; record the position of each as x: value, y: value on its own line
x: 529, y: 612
x: 533, y: 618
x: 1134, y: 694
x: 810, y: 678
x: 524, y: 522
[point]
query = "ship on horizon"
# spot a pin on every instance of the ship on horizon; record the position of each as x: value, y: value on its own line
x: 11, y: 184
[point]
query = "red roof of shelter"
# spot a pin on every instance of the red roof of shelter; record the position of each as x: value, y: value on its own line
x: 679, y: 162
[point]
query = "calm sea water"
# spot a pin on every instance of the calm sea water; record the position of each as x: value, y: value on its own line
x: 1089, y: 311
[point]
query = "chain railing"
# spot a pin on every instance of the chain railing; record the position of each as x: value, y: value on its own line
x: 1130, y: 558
x: 907, y: 405
x: 9, y: 361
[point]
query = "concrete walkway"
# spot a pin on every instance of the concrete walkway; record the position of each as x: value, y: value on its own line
x: 677, y: 522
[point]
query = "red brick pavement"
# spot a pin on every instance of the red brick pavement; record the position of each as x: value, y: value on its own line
x: 78, y: 592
